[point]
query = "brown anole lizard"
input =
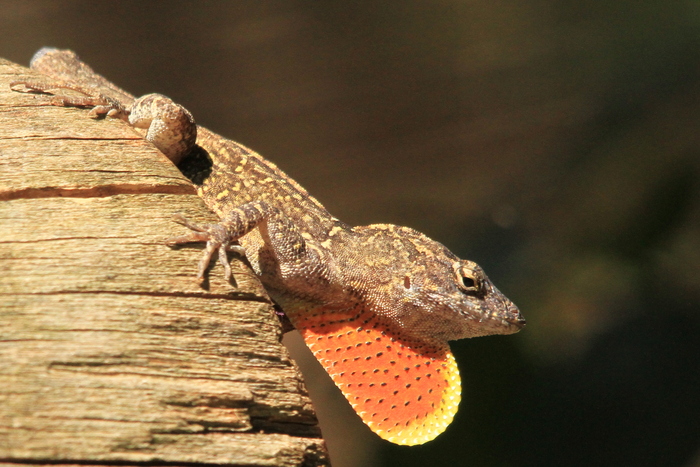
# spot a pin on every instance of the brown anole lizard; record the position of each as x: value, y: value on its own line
x: 376, y: 304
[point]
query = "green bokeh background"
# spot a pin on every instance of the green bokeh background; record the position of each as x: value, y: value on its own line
x: 554, y: 142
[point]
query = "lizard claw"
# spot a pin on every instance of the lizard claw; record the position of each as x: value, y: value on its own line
x: 182, y: 220
x: 218, y: 240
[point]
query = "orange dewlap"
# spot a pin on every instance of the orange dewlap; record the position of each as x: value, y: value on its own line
x: 407, y: 392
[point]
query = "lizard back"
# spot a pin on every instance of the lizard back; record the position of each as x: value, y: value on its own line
x: 228, y: 174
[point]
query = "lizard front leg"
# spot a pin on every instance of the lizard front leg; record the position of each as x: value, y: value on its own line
x: 282, y: 236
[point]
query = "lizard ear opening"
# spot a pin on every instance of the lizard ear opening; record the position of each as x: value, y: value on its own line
x: 407, y: 282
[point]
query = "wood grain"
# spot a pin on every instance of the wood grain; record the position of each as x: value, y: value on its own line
x: 110, y: 352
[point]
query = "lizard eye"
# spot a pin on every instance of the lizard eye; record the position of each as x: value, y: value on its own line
x: 468, y: 282
x: 468, y: 279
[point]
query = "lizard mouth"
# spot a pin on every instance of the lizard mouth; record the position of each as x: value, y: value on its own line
x: 512, y: 319
x: 519, y: 322
x: 506, y: 317
x: 515, y: 318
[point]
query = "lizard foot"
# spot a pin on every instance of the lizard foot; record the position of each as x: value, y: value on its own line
x: 217, y: 238
x: 99, y: 104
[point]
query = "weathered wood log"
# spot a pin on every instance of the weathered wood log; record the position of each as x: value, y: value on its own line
x: 110, y: 352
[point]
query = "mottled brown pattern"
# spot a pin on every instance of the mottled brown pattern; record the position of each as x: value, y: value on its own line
x: 386, y: 281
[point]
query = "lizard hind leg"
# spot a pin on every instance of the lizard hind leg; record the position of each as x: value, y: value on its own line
x: 76, y: 96
x: 170, y: 127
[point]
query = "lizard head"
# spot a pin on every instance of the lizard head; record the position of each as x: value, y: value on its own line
x: 431, y: 293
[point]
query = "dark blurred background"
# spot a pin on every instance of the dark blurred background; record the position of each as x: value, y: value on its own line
x: 554, y: 142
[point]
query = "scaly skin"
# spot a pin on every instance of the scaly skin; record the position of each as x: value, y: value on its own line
x: 376, y: 304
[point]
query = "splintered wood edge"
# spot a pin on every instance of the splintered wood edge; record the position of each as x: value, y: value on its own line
x: 110, y: 350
